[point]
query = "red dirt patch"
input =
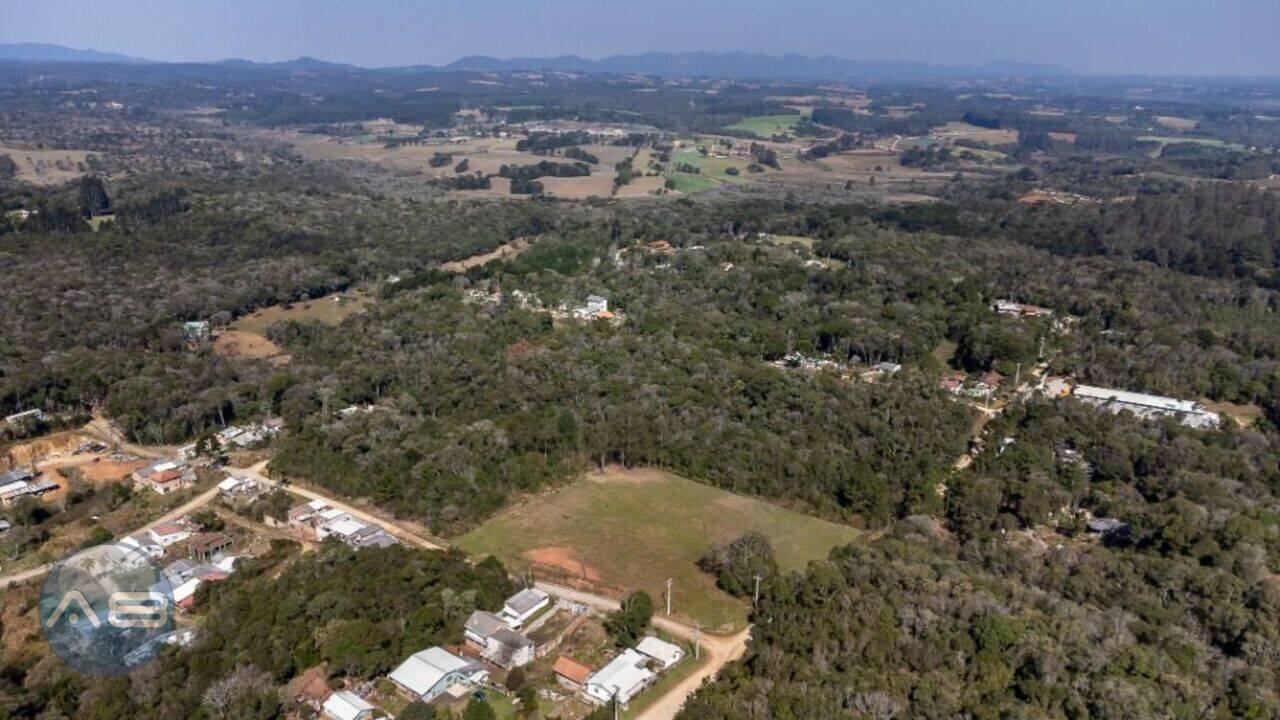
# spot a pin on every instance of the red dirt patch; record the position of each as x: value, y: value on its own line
x: 564, y: 559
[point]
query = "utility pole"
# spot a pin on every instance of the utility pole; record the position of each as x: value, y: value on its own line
x: 697, y: 640
x: 615, y: 703
x: 669, y: 582
x: 757, y: 600
x: 1017, y: 376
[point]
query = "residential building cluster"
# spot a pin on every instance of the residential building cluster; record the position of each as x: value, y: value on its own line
x: 237, y: 437
x: 316, y: 520
x: 500, y: 639
x: 959, y: 383
x: 165, y: 476
x: 631, y: 671
x: 208, y: 557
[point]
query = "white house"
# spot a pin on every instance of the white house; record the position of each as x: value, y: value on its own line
x: 664, y: 652
x: 346, y: 705
x: 429, y: 674
x: 343, y: 527
x: 496, y: 642
x: 524, y: 605
x: 166, y: 534
x: 480, y: 627
x: 624, y: 678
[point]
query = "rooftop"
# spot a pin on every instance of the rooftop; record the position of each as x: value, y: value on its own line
x: 1132, y: 398
x: 423, y: 670
x: 526, y: 600
x: 572, y: 669
x: 346, y: 705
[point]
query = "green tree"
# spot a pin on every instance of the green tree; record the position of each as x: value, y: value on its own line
x: 417, y: 711
x: 631, y: 620
x: 479, y: 710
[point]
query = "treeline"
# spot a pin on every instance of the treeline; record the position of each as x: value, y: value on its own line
x: 545, y: 142
x: 1216, y: 230
x: 94, y: 318
x: 544, y: 168
x: 1010, y: 608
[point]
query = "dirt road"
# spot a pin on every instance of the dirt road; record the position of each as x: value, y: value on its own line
x: 186, y: 508
x: 721, y: 649
x: 394, y: 529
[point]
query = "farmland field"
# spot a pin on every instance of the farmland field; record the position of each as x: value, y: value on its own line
x: 766, y: 126
x: 623, y: 530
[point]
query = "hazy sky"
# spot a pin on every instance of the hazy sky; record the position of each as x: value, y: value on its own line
x: 1112, y: 36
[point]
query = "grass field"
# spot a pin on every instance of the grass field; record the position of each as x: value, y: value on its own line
x: 329, y: 310
x: 687, y: 183
x: 766, y: 126
x: 1207, y: 142
x: 621, y: 530
x: 713, y: 171
x: 47, y: 167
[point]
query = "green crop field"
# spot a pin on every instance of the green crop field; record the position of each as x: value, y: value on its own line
x: 687, y: 183
x: 1207, y: 142
x: 766, y: 126
x: 626, y: 530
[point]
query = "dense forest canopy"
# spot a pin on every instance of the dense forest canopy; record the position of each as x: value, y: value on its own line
x: 769, y: 332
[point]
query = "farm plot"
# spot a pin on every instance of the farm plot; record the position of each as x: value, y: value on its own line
x: 622, y: 530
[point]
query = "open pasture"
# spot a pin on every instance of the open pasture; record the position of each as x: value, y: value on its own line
x: 623, y: 530
x: 329, y: 310
x: 766, y: 126
x: 47, y: 167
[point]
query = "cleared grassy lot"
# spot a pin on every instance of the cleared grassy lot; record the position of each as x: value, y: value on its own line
x: 623, y: 530
x: 766, y: 126
x: 330, y: 310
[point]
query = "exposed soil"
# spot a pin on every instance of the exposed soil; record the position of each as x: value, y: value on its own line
x: 564, y: 559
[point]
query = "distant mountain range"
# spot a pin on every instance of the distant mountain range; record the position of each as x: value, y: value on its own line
x: 743, y: 65
x: 39, y: 52
x: 736, y: 65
